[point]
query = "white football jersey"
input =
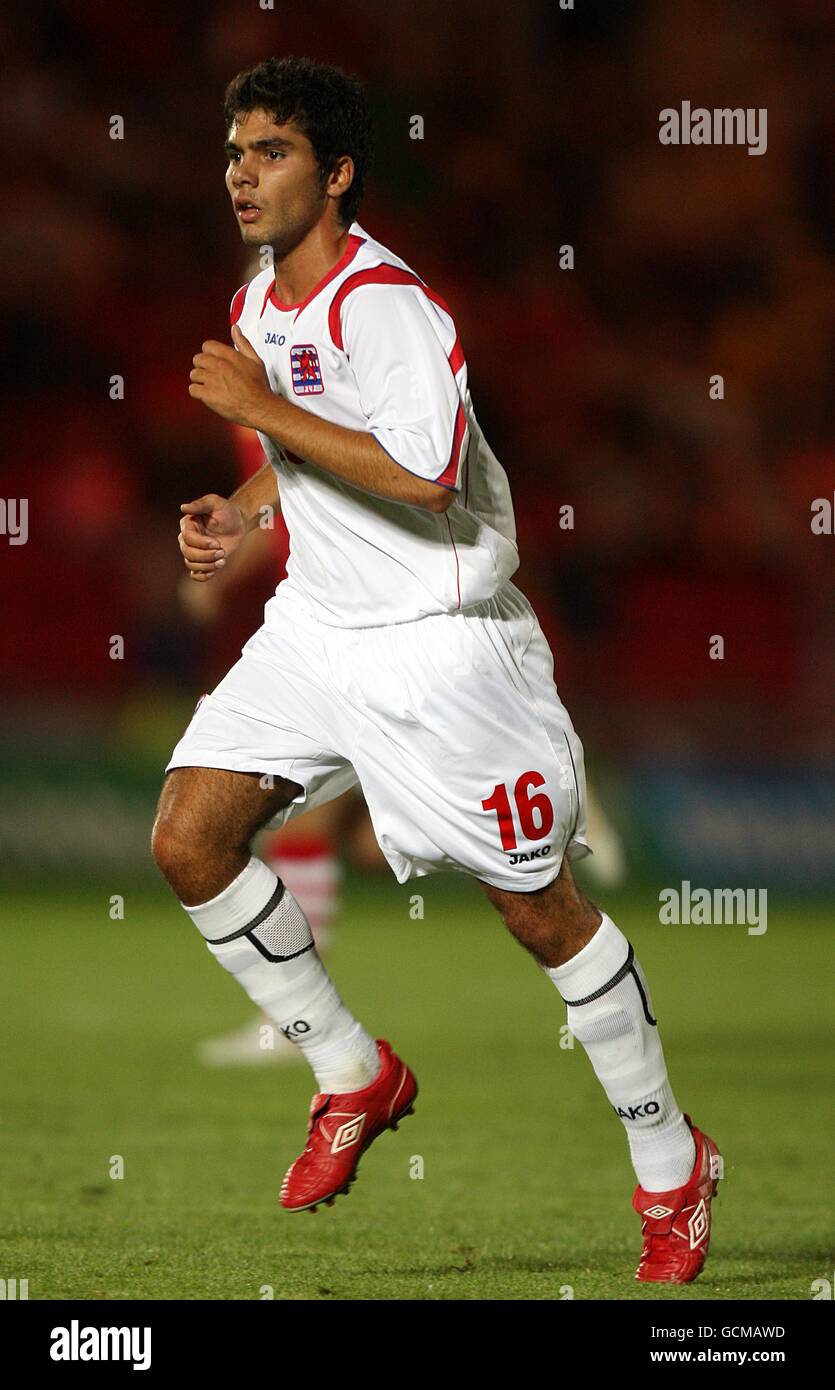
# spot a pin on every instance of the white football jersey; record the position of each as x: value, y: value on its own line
x: 373, y: 348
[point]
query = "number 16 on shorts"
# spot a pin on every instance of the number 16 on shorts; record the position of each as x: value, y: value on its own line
x: 534, y: 810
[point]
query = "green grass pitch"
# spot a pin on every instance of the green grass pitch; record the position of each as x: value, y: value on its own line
x: 526, y: 1182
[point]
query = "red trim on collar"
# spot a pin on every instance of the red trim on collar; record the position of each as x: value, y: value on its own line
x: 354, y: 244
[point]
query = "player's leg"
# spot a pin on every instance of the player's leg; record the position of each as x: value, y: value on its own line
x: 250, y: 920
x: 271, y: 741
x: 206, y: 818
x: 495, y: 768
x: 469, y: 761
x: 304, y: 854
x: 610, y: 1012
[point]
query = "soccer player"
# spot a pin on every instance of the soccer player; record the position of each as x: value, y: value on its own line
x: 396, y: 653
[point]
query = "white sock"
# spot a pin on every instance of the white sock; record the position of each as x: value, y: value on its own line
x: 610, y: 1013
x: 258, y: 932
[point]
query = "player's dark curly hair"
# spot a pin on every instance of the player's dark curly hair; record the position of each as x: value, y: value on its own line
x: 327, y: 105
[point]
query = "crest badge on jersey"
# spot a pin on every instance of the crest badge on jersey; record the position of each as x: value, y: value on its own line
x: 307, y: 374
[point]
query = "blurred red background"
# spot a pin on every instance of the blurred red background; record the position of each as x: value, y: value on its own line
x: 691, y: 516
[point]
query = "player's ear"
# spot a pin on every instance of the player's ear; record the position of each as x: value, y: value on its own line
x: 243, y: 344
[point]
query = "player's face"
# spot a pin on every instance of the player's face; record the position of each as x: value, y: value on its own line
x: 273, y: 181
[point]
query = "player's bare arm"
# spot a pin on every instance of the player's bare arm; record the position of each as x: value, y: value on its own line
x: 213, y: 527
x: 232, y: 382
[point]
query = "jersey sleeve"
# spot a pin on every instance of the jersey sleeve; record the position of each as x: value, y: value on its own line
x: 411, y: 386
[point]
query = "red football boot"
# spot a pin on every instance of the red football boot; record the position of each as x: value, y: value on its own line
x: 340, y: 1130
x: 676, y: 1225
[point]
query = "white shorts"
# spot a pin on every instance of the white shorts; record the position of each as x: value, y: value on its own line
x: 451, y: 725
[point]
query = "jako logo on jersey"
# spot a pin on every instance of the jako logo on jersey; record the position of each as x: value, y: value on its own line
x: 276, y: 339
x: 307, y: 374
x: 637, y: 1112
x: 534, y: 854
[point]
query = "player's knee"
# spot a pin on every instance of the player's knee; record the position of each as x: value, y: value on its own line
x: 167, y: 847
x: 197, y: 852
x: 178, y: 853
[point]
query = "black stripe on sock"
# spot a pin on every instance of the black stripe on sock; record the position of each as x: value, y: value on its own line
x: 627, y: 968
x: 259, y: 946
x: 647, y: 1015
x: 256, y: 921
x: 615, y: 980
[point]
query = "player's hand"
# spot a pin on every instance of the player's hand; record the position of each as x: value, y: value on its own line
x: 210, y: 530
x: 232, y: 381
